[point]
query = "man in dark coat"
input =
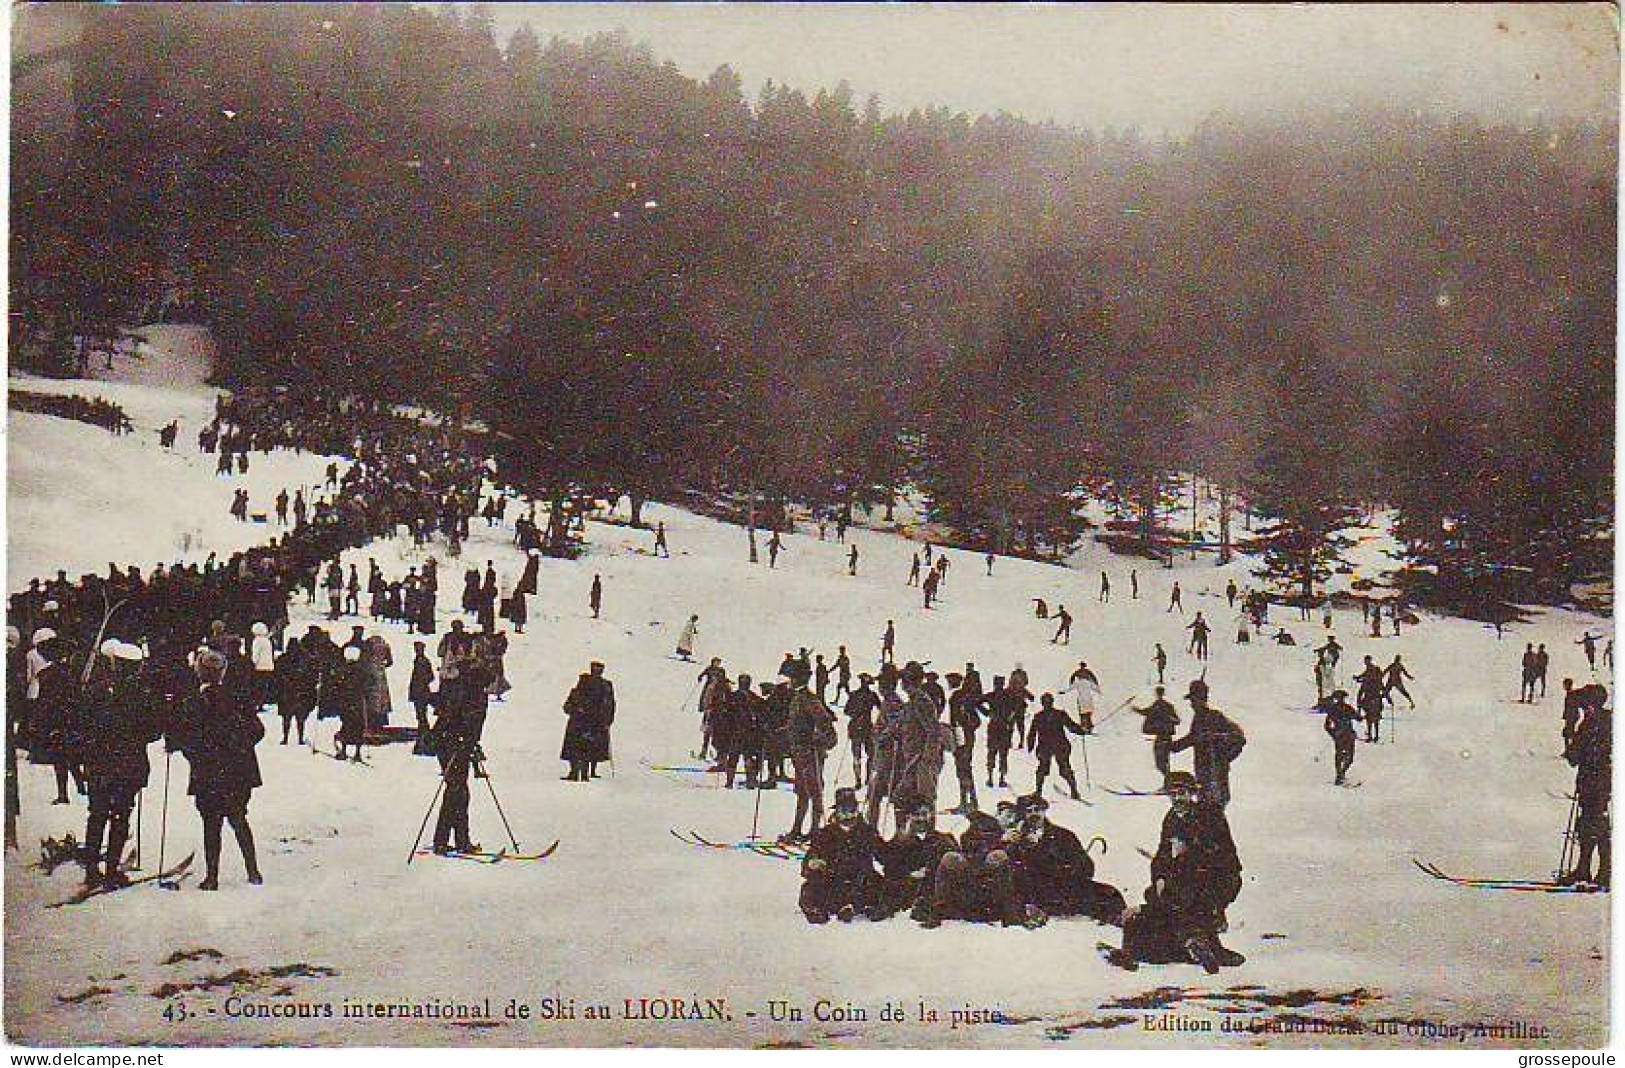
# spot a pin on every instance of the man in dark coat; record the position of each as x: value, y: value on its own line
x: 1053, y: 870
x: 420, y: 691
x: 964, y: 721
x: 455, y: 741
x: 738, y: 734
x: 1339, y: 723
x: 1048, y: 740
x: 838, y: 876
x: 1161, y: 724
x: 591, y: 708
x: 296, y: 679
x: 1195, y: 875
x: 1004, y: 707
x: 860, y: 726
x: 121, y: 720
x: 218, y: 739
x: 1591, y: 752
x: 1215, y: 740
x: 909, y: 862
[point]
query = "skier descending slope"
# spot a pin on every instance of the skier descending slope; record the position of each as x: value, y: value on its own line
x: 685, y: 641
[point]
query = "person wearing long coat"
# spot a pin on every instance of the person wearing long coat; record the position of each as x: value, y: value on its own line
x: 376, y: 660
x: 591, y: 708
x: 122, y: 718
x: 297, y: 676
x: 528, y: 579
x: 218, y: 740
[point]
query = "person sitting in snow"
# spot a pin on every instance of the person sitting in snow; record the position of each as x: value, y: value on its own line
x: 838, y: 876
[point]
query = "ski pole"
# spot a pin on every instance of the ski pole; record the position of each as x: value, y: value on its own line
x: 1568, y: 838
x: 761, y: 768
x: 503, y: 815
x: 441, y: 785
x: 163, y: 823
x: 138, y: 810
x: 1083, y: 748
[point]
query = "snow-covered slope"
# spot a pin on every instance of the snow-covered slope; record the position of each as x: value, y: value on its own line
x: 1335, y: 920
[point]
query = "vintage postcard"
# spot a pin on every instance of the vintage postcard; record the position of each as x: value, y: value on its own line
x: 810, y: 525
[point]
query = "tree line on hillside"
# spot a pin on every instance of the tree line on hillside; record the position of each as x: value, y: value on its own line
x: 648, y: 283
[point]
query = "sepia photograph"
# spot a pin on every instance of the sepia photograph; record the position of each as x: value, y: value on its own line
x: 810, y: 526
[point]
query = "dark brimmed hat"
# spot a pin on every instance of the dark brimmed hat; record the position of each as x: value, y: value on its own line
x: 846, y: 799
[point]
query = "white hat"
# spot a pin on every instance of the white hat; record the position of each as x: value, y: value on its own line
x: 128, y: 651
x: 260, y: 628
x: 352, y: 652
x: 109, y: 647
x: 44, y: 634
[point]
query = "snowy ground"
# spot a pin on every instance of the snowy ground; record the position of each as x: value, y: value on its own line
x: 1336, y: 922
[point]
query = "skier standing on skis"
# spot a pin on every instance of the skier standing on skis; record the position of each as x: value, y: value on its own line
x: 888, y: 644
x: 1339, y: 724
x: 1048, y: 741
x: 1199, y: 632
x: 852, y: 560
x: 1591, y: 754
x: 1160, y: 659
x: 1393, y: 678
x: 121, y: 719
x: 1063, y: 633
x: 1085, y: 689
x: 1588, y: 642
x: 1105, y: 588
x: 1175, y: 600
x: 1215, y: 743
x: 810, y: 736
x: 1369, y: 699
x: 1526, y: 685
x: 1001, y: 706
x: 1161, y: 724
x: 685, y: 641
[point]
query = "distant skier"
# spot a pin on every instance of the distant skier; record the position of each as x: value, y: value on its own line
x: 1160, y: 659
x: 1161, y: 723
x: 685, y: 641
x: 929, y: 588
x: 1175, y: 600
x: 914, y: 571
x: 1369, y: 699
x: 1589, y: 644
x: 1134, y: 585
x: 661, y: 548
x: 1340, y: 717
x: 989, y: 565
x: 774, y: 544
x: 1105, y: 588
x: 1526, y: 688
x: 1230, y: 592
x: 590, y: 707
x: 1394, y: 677
x: 1002, y: 707
x: 843, y: 673
x: 595, y: 596
x: 1543, y: 661
x: 1063, y: 633
x: 1199, y: 632
x: 1040, y: 608
x: 1085, y: 689
x: 888, y: 644
x: 852, y: 560
x: 860, y: 727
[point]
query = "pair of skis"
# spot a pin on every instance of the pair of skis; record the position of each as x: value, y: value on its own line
x: 762, y: 847
x: 169, y: 879
x: 1539, y: 886
x: 483, y: 856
